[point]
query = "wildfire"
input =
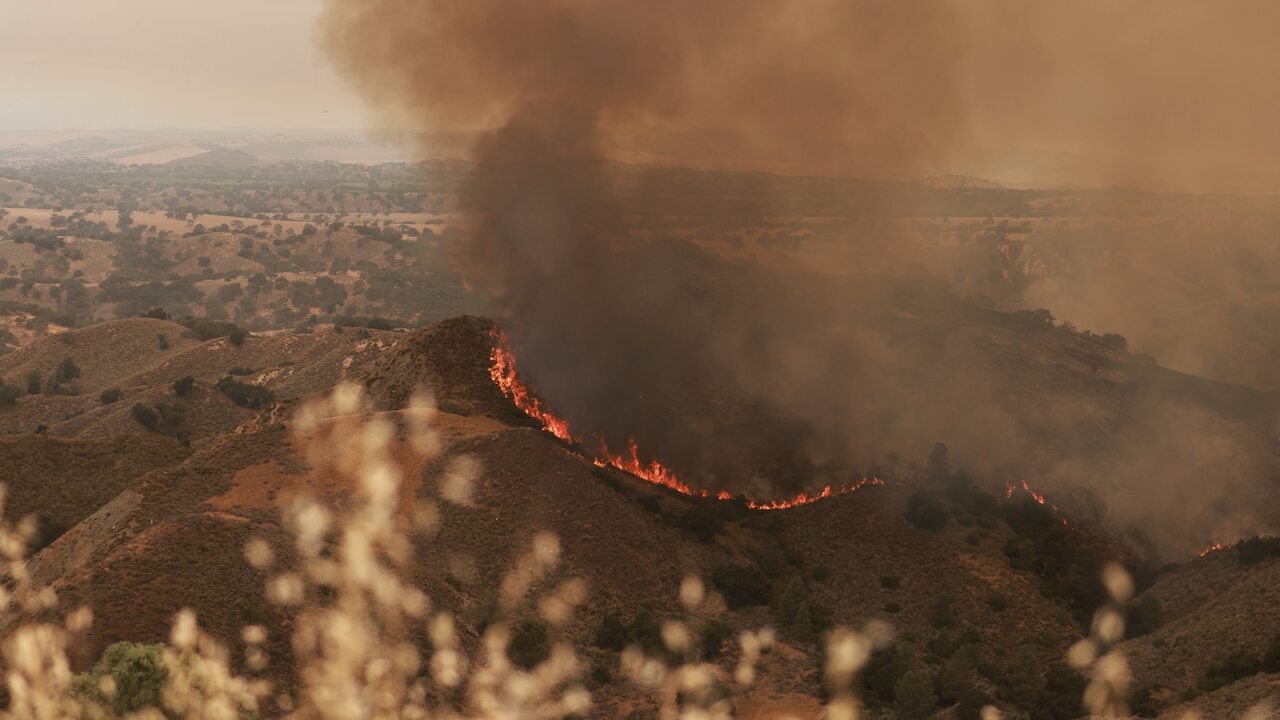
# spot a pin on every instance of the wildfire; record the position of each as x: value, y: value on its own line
x: 1040, y: 499
x: 502, y: 369
x: 1216, y: 547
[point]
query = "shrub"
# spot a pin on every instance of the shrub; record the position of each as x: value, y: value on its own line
x: 914, y: 698
x: 254, y: 397
x: 145, y: 415
x: 1257, y: 549
x: 66, y: 371
x: 741, y: 586
x: 714, y: 636
x: 892, y: 608
x: 1143, y: 616
x: 703, y: 522
x: 138, y: 673
x: 611, y: 634
x: 890, y: 582
x: 110, y: 395
x: 162, y: 342
x: 237, y: 337
x: 997, y: 602
x: 1271, y: 658
x: 241, y: 371
x: 942, y: 615
x: 1233, y: 667
x: 9, y: 394
x: 206, y: 329
x: 883, y: 671
x: 1025, y: 681
x: 530, y: 645
x: 183, y: 385
x: 925, y: 513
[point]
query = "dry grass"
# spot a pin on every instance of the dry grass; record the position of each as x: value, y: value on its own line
x: 368, y: 643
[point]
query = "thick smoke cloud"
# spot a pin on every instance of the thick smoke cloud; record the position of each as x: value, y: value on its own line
x: 761, y: 379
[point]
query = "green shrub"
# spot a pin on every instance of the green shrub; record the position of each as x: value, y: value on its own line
x: 110, y: 395
x: 183, y: 385
x: 914, y: 698
x: 882, y: 673
x: 139, y: 675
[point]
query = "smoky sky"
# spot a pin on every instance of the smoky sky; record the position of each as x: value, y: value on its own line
x: 763, y: 380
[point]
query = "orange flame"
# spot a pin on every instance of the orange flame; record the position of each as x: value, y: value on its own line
x: 1040, y: 499
x: 1217, y: 547
x: 502, y: 369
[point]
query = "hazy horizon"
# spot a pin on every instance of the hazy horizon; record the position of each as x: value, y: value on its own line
x: 139, y: 64
x: 1152, y: 95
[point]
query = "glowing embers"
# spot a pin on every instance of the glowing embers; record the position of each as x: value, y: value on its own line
x: 1040, y: 499
x: 502, y: 369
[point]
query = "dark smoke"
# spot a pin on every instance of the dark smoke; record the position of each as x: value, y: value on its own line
x: 747, y: 376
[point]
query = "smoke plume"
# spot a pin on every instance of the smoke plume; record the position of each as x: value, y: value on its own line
x: 764, y: 377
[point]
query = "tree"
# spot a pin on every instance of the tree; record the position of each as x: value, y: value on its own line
x: 110, y: 395
x: 959, y: 674
x: 939, y: 461
x: 33, y: 383
x: 254, y: 397
x: 67, y: 370
x: 8, y: 393
x: 1144, y: 616
x: 145, y: 415
x: 1026, y: 681
x: 914, y: 698
x: 183, y: 385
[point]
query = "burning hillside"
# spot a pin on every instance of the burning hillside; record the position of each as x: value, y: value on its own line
x: 506, y: 376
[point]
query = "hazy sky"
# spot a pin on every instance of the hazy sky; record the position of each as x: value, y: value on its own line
x: 168, y: 63
x: 1156, y: 93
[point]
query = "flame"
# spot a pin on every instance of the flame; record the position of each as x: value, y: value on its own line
x: 502, y: 370
x: 1040, y: 499
x: 1217, y: 547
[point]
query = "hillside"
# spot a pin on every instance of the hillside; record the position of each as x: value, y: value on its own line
x: 162, y: 527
